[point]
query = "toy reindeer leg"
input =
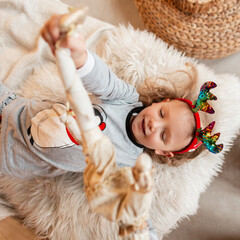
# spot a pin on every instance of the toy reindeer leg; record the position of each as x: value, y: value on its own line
x: 122, y: 195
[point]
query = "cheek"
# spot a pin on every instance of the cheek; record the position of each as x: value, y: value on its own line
x: 135, y: 126
x: 135, y: 121
x: 153, y: 141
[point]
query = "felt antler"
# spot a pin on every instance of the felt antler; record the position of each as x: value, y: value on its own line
x: 208, y: 140
x: 202, y: 104
x: 204, y: 95
x: 204, y: 135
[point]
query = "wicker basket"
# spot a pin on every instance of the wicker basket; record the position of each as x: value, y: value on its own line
x: 194, y: 6
x: 204, y: 30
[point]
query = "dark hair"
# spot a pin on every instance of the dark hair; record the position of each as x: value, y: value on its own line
x: 155, y: 90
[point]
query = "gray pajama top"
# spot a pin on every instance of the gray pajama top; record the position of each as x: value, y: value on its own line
x: 34, y: 142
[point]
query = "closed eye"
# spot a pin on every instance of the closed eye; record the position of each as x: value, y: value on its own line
x: 161, y: 113
x: 163, y: 136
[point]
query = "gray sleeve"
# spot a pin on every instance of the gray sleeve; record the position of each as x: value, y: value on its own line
x: 152, y: 232
x: 102, y: 82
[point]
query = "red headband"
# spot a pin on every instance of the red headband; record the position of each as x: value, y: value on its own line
x: 195, y: 143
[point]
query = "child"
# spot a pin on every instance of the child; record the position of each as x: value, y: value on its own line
x: 34, y: 140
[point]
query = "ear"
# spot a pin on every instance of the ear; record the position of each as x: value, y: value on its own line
x: 164, y: 153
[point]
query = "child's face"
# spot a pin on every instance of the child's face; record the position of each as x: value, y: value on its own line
x: 164, y: 126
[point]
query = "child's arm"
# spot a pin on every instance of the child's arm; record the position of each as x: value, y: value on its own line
x: 97, y: 77
x: 102, y: 82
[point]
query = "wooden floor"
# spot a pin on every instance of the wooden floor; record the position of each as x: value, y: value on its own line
x: 10, y: 229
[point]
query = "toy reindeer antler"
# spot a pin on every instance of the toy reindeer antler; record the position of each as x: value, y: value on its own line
x: 202, y: 104
x: 204, y: 95
x: 204, y: 136
x: 122, y: 195
x: 208, y: 140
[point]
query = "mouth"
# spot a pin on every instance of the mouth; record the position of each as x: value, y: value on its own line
x: 143, y: 126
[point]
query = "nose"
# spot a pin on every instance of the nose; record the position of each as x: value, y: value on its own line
x: 153, y: 125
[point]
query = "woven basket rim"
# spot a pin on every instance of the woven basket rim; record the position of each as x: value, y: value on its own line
x: 194, y: 6
x: 204, y: 35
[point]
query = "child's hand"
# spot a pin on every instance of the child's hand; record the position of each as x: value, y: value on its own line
x: 51, y: 33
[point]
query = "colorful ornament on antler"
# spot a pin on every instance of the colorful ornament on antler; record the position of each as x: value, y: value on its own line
x: 204, y: 95
x: 208, y: 140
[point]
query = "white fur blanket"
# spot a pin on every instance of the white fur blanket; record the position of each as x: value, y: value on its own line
x: 56, y: 207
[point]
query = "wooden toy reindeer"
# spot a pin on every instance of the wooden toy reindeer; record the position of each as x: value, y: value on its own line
x: 122, y: 195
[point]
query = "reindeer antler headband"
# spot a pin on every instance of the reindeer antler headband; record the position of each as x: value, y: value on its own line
x: 203, y: 136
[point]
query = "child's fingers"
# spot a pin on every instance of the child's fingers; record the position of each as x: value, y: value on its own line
x: 53, y: 27
x: 47, y: 37
x: 51, y: 32
x: 68, y: 42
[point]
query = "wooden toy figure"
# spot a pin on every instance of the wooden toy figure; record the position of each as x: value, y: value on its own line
x: 122, y: 195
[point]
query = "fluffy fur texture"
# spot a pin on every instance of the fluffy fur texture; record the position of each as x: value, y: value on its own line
x: 56, y: 208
